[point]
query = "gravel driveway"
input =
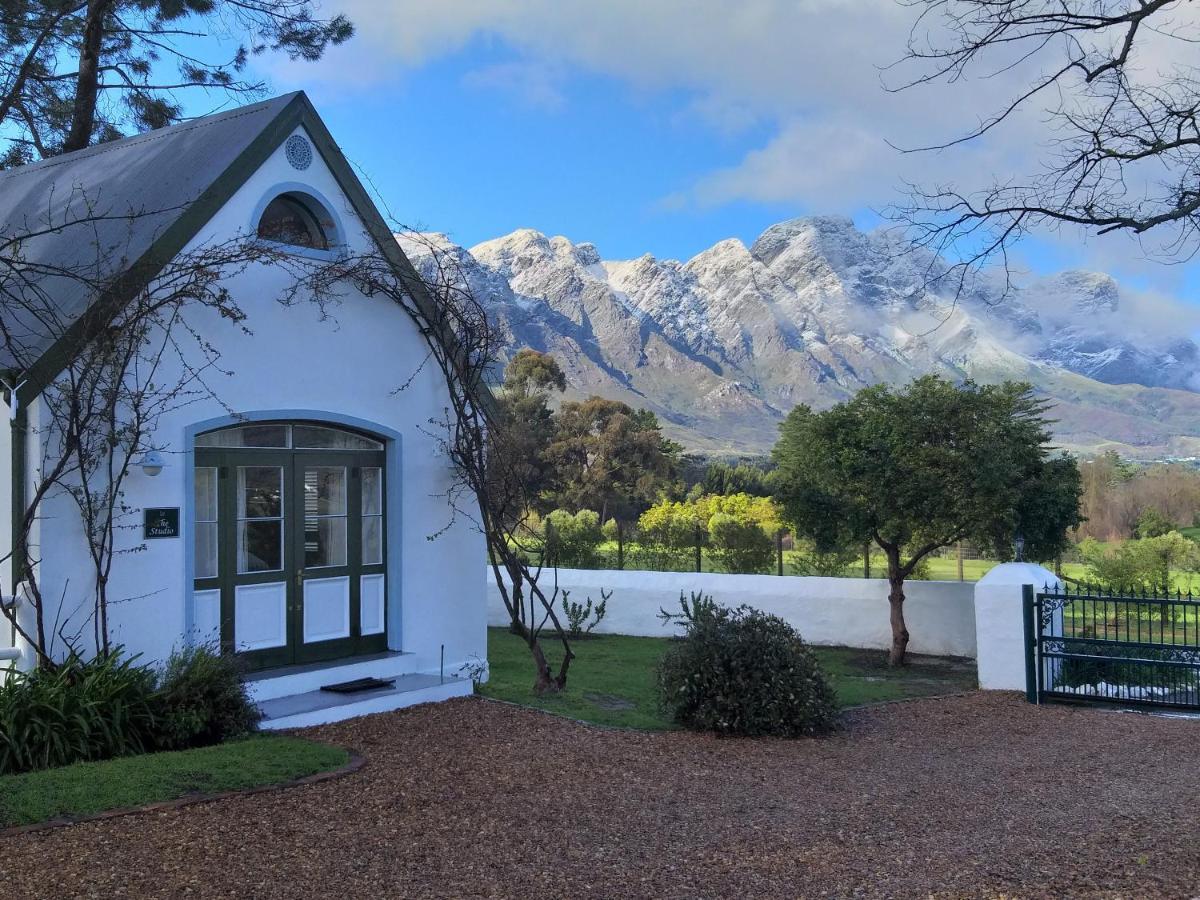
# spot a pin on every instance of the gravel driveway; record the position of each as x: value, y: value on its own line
x: 976, y: 795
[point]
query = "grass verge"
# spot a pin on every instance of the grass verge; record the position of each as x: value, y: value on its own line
x: 85, y: 789
x: 612, y: 678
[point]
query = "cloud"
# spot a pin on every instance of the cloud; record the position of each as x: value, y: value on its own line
x: 809, y: 67
x: 533, y: 85
x: 812, y: 71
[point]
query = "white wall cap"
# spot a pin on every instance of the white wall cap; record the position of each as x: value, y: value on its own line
x: 1020, y: 573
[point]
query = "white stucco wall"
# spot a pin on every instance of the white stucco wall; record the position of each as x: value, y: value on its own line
x: 849, y: 612
x: 347, y: 366
x: 1000, y: 623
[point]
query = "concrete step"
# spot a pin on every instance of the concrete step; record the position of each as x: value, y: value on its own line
x: 321, y: 707
x: 288, y: 682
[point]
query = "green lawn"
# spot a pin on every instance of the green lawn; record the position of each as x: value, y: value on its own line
x: 612, y: 678
x: 88, y: 788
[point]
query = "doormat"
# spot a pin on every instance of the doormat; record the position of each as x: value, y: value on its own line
x: 360, y: 684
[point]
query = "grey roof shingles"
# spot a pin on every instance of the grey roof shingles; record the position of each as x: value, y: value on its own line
x: 92, y: 213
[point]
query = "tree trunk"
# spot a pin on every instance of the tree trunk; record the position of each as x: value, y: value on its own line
x: 516, y: 597
x: 896, y: 603
x: 83, y: 117
x: 545, y: 683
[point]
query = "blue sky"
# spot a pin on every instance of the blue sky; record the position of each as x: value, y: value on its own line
x: 661, y: 127
x: 599, y: 162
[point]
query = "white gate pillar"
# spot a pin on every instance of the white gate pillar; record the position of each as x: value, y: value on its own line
x: 1000, y: 624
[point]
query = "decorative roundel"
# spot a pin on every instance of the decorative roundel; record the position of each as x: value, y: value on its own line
x: 299, y: 152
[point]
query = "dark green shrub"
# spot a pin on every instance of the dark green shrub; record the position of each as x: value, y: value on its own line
x: 743, y: 672
x: 201, y: 700
x: 78, y: 710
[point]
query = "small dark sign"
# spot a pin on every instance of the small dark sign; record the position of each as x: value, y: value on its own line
x: 161, y: 523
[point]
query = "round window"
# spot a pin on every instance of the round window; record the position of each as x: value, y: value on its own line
x: 298, y: 151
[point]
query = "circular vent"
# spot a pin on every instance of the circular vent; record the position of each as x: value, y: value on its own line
x: 299, y: 152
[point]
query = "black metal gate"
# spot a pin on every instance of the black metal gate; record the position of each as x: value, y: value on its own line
x: 1089, y: 646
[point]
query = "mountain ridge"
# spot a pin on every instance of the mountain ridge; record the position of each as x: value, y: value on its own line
x: 722, y: 345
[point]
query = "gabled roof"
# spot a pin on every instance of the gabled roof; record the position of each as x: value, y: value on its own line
x: 135, y: 204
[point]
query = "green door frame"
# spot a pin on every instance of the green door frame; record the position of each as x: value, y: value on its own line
x: 293, y: 462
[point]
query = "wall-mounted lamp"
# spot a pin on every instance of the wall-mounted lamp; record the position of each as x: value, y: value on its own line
x: 152, y: 462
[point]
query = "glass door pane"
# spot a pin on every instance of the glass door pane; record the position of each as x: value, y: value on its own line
x: 261, y: 610
x: 205, y: 522
x: 372, y: 515
x: 260, y: 519
x: 324, y: 516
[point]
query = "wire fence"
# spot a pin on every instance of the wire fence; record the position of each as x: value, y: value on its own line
x: 785, y: 556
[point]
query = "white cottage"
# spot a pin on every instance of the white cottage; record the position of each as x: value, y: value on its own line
x: 289, y: 516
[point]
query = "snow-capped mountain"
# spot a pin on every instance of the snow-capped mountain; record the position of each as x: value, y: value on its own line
x: 721, y: 346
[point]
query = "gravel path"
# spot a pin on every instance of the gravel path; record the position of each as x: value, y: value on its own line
x: 976, y: 795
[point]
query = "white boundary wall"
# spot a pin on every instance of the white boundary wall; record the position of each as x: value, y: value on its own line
x: 851, y: 612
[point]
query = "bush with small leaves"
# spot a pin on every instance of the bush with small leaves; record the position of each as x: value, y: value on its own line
x: 202, y: 700
x: 578, y: 614
x: 691, y: 609
x: 743, y: 672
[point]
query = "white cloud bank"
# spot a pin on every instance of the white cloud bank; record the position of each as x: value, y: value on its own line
x: 809, y: 69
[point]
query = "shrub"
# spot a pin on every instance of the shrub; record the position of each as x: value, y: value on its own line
x: 739, y: 545
x: 202, y: 700
x: 578, y: 614
x: 743, y: 672
x: 78, y: 710
x: 668, y: 532
x: 572, y: 540
x: 691, y: 609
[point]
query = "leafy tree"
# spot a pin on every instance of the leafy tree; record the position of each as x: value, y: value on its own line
x: 737, y: 528
x: 572, y: 540
x: 608, y: 457
x: 526, y: 422
x: 1152, y: 523
x: 921, y: 468
x: 1147, y: 564
x: 533, y: 373
x: 669, y: 529
x: 723, y: 478
x: 739, y: 545
x: 78, y: 72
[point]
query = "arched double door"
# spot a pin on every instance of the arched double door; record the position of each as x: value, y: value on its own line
x: 290, y: 531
